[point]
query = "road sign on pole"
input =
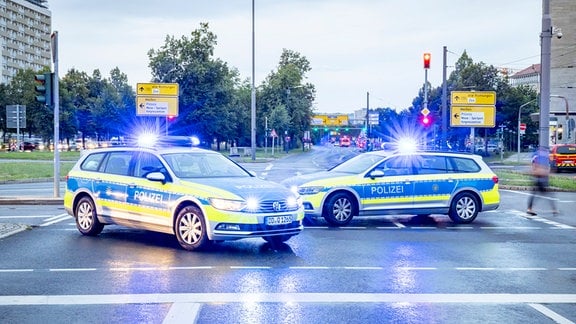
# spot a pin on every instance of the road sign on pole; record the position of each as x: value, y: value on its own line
x: 157, y: 99
x: 473, y: 109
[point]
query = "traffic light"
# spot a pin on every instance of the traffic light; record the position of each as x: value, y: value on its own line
x: 44, y: 88
x: 427, y: 57
x: 171, y: 118
x: 426, y: 121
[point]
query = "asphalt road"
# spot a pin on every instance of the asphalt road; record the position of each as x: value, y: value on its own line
x: 505, y: 267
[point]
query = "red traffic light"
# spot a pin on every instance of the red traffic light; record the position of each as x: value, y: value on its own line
x: 426, y: 121
x: 427, y: 57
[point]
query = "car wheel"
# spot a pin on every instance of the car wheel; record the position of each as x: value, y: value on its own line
x: 464, y: 208
x: 86, y: 218
x: 190, y: 229
x: 339, y: 209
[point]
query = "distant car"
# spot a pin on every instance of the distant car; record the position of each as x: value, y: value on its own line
x: 384, y: 182
x: 200, y: 196
x: 563, y: 157
x: 492, y: 148
x: 28, y: 146
x: 345, y: 142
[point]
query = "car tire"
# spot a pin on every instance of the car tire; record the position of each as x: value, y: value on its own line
x: 86, y: 217
x: 339, y: 209
x: 464, y: 208
x: 190, y: 229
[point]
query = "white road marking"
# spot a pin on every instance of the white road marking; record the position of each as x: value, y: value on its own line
x: 55, y: 219
x: 323, y: 298
x: 72, y: 270
x: 182, y: 313
x: 557, y: 318
x: 292, y: 268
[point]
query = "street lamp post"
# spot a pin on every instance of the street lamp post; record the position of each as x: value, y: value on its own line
x: 518, y: 130
x: 567, y: 112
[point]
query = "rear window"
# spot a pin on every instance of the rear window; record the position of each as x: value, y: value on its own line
x: 566, y: 149
x: 92, y: 162
x: 463, y: 165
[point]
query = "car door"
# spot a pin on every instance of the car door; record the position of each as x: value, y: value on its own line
x: 388, y: 186
x: 149, y: 200
x: 433, y: 183
x: 111, y: 183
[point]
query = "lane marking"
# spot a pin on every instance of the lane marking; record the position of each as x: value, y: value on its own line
x: 324, y: 298
x: 73, y: 270
x: 256, y: 267
x: 551, y: 314
x: 55, y: 219
x: 182, y: 313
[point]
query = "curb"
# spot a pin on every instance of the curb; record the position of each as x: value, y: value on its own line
x: 31, y: 201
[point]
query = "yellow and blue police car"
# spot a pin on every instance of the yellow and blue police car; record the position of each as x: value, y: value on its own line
x: 198, y: 195
x: 384, y: 183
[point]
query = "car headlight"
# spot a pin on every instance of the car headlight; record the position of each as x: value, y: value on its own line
x: 310, y: 190
x: 227, y: 204
x: 293, y: 202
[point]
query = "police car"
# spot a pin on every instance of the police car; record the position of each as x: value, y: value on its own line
x: 198, y: 195
x: 384, y: 183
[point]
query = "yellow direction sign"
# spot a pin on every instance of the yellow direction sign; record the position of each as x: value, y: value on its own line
x: 473, y: 116
x: 156, y: 106
x: 473, y: 98
x: 157, y: 89
x: 425, y: 111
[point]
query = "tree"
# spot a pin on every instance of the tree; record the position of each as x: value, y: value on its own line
x: 285, y: 89
x: 39, y: 117
x: 207, y: 85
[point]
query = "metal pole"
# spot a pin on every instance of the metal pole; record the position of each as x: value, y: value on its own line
x: 567, y: 113
x: 253, y: 96
x: 18, y: 128
x: 545, y: 57
x: 56, y: 98
x: 518, y: 130
x: 426, y: 104
x: 444, y: 102
x: 367, y: 116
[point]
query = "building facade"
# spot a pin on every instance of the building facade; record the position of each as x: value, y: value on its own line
x: 563, y: 56
x: 25, y: 26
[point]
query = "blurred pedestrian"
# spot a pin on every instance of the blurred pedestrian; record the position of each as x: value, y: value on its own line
x: 540, y: 173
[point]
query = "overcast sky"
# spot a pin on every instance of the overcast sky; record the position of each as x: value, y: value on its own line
x: 354, y: 46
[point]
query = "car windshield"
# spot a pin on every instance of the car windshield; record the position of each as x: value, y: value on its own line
x: 566, y: 149
x: 358, y: 164
x: 203, y: 165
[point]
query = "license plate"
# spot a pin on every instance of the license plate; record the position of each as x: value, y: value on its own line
x: 278, y: 220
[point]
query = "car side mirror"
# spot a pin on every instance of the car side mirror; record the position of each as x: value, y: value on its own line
x: 376, y: 174
x: 156, y: 176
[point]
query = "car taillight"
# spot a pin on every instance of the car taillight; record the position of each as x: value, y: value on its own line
x: 495, y: 179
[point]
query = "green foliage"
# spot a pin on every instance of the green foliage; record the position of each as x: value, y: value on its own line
x: 470, y: 76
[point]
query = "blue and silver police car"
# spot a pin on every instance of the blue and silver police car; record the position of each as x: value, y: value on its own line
x: 383, y: 183
x: 198, y: 195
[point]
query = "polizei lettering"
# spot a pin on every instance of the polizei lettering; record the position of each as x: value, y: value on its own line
x: 386, y: 190
x: 147, y: 196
